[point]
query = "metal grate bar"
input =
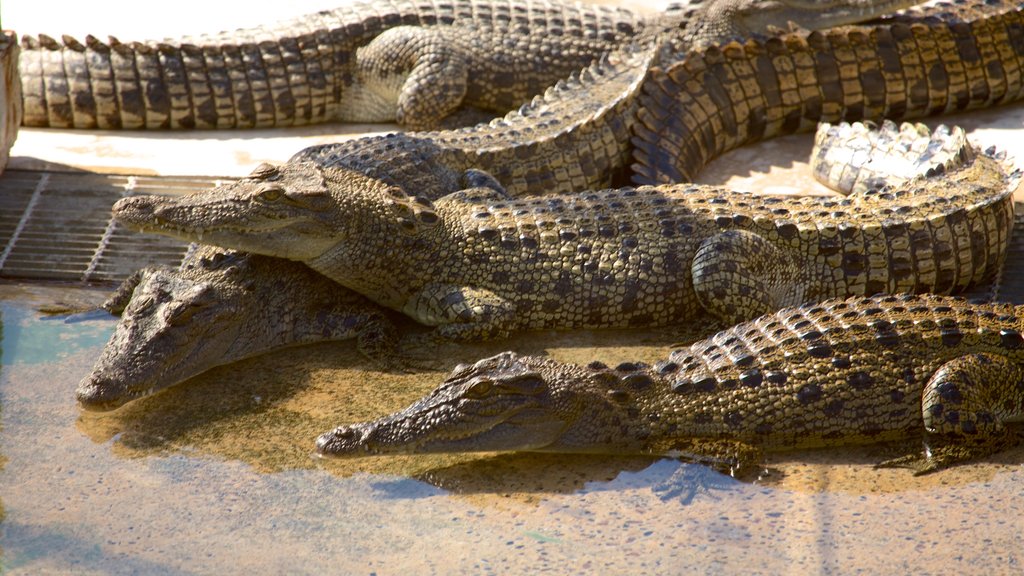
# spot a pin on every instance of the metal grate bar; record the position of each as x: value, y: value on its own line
x: 20, y: 226
x: 57, y: 225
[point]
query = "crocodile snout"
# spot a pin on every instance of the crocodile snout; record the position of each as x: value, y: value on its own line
x: 343, y: 440
x: 135, y: 210
x: 99, y: 395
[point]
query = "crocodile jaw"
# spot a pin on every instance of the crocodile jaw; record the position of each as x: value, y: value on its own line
x: 295, y: 238
x: 395, y: 435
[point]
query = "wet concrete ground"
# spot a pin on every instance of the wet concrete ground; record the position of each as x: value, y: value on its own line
x: 218, y: 476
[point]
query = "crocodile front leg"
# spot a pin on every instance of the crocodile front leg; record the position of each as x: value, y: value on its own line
x: 738, y: 274
x: 966, y: 405
x: 411, y: 75
x: 462, y: 313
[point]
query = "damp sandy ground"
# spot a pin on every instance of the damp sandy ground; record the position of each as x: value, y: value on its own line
x: 217, y: 476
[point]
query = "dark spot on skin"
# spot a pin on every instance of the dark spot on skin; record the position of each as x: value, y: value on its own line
x: 908, y: 376
x: 951, y: 338
x: 637, y: 381
x: 834, y: 408
x: 776, y: 377
x: 606, y: 378
x: 841, y: 362
x: 812, y: 335
x: 595, y: 365
x: 887, y: 339
x: 682, y: 387
x: 489, y: 234
x: 819, y: 350
x: 953, y: 417
x: 705, y: 384
x: 744, y: 361
x: 733, y: 419
x: 880, y: 325
x: 665, y: 368
x: 752, y: 377
x: 949, y: 392
x: 729, y: 383
x: 860, y: 380
x: 809, y: 393
x: 968, y: 427
x: 620, y: 396
x: 788, y: 231
x: 627, y: 367
x: 763, y: 428
x: 1010, y: 339
x: 897, y: 395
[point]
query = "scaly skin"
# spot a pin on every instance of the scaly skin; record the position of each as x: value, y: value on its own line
x: 479, y: 266
x: 712, y: 101
x: 345, y: 64
x: 410, y: 61
x: 840, y: 372
x: 221, y: 307
x: 578, y: 135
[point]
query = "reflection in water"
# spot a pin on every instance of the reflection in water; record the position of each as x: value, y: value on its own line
x: 229, y: 454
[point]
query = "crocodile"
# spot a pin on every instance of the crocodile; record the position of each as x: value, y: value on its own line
x: 578, y: 135
x: 219, y: 307
x: 410, y: 61
x: 838, y: 372
x: 478, y: 265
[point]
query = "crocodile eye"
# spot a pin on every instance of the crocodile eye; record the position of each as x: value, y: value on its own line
x: 271, y: 193
x: 479, y: 389
x: 182, y: 314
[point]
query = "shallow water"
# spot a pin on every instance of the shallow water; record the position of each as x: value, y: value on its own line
x: 218, y: 476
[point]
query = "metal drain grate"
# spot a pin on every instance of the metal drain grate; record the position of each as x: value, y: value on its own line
x: 57, y: 225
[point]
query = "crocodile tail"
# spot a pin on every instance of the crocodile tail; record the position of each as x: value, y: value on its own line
x: 287, y: 81
x: 727, y: 96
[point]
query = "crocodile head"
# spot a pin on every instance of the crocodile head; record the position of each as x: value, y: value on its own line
x: 172, y: 327
x: 503, y: 403
x: 297, y: 211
